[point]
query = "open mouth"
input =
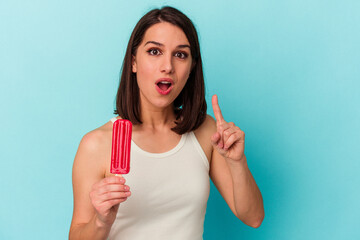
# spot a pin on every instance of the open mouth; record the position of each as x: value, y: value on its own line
x: 164, y: 85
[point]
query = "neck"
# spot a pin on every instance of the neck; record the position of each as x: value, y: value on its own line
x: 157, y: 119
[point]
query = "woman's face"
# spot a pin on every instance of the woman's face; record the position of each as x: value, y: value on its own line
x: 162, y: 64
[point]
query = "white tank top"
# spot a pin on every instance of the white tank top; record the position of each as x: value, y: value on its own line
x: 169, y: 194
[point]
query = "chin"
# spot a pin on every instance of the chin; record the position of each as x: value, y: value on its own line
x: 162, y: 104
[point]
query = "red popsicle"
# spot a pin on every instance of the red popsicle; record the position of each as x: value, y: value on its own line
x: 120, y: 150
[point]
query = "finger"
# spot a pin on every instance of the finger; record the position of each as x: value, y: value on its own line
x: 215, y: 138
x: 113, y: 188
x: 217, y: 112
x: 113, y: 195
x: 110, y: 180
x: 235, y: 137
x: 221, y: 128
x: 98, y: 202
x: 227, y: 133
x: 114, y: 179
x: 111, y: 203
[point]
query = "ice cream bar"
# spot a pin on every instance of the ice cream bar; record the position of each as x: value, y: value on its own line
x: 120, y: 150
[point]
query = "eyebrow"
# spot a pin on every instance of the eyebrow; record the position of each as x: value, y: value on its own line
x: 160, y: 44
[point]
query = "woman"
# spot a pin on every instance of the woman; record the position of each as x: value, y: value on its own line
x: 175, y: 146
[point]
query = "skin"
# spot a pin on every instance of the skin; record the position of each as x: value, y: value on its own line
x: 98, y: 193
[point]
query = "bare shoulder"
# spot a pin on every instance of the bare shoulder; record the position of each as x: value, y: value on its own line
x: 94, y: 140
x: 93, y: 146
x: 204, y: 133
x: 208, y: 127
x: 89, y: 168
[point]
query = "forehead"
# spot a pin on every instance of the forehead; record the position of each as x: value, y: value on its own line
x: 165, y: 33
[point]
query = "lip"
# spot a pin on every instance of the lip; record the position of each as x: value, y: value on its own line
x: 167, y: 91
x: 165, y: 79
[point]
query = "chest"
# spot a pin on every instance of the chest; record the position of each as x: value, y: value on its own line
x: 158, y: 144
x: 168, y: 190
x: 165, y: 142
x: 166, y: 182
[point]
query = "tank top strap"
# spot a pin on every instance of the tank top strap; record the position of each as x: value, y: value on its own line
x: 199, y: 148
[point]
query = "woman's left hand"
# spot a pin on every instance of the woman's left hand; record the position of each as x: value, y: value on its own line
x: 229, y: 140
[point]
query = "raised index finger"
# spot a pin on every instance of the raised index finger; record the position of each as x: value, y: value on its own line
x: 217, y: 112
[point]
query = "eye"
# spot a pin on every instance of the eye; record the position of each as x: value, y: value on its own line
x: 182, y: 55
x: 153, y: 51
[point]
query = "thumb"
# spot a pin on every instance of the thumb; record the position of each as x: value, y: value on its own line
x: 215, y: 139
x: 116, y: 207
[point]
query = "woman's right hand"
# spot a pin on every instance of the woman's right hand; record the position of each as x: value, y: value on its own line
x: 106, y: 196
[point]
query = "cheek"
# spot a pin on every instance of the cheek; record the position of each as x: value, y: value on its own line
x: 145, y: 73
x: 184, y: 73
x: 145, y: 68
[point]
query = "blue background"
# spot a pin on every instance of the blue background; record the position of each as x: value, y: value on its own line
x: 286, y: 72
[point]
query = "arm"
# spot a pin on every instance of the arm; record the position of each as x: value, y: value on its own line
x: 230, y: 173
x: 237, y: 185
x: 91, y: 230
x: 238, y: 188
x: 96, y: 199
x: 248, y: 200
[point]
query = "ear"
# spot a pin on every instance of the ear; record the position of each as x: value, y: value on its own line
x: 133, y: 64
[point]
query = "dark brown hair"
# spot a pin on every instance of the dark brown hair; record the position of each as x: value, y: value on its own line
x: 190, y: 106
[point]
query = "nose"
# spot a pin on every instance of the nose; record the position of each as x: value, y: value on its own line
x: 167, y: 65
